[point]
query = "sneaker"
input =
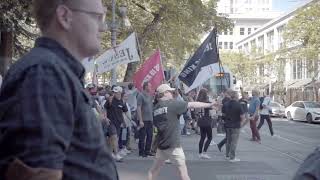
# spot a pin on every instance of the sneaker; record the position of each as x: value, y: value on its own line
x: 127, y: 151
x: 234, y: 160
x: 122, y: 152
x: 117, y: 157
x: 227, y: 157
x: 205, y: 156
x: 168, y: 161
x: 188, y: 133
x: 213, y: 143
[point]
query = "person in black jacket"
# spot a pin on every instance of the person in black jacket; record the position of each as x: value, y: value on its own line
x: 233, y: 122
x: 48, y: 128
x: 225, y: 100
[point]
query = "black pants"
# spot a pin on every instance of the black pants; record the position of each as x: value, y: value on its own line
x: 145, y: 138
x: 205, y: 132
x: 222, y: 142
x: 267, y: 118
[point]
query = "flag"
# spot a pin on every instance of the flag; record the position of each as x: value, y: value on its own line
x: 124, y: 53
x: 151, y: 71
x: 202, y: 65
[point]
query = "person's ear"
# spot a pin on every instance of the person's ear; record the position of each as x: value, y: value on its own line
x: 64, y: 16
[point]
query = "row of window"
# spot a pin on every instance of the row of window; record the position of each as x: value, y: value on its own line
x: 268, y: 45
x: 242, y: 31
x: 226, y: 45
x: 249, y: 30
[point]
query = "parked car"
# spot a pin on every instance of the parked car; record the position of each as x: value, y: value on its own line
x: 304, y: 111
x: 277, y: 109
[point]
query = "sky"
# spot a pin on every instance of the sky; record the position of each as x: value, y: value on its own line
x: 287, y: 5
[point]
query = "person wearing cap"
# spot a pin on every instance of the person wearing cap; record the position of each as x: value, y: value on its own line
x: 165, y: 116
x: 115, y: 107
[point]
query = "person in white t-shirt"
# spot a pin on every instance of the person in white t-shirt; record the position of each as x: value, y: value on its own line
x: 265, y: 113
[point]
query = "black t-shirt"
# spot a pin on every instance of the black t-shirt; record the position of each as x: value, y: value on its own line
x: 233, y: 112
x: 244, y: 105
x: 165, y: 119
x: 115, y: 110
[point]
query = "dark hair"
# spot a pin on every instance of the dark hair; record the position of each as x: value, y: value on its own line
x: 130, y: 86
x: 203, y: 95
x: 145, y: 84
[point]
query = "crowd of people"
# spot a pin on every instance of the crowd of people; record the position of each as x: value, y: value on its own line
x: 129, y: 115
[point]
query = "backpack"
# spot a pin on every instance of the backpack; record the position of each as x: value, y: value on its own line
x: 261, y: 102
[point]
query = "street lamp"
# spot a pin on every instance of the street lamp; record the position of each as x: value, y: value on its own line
x: 114, y: 28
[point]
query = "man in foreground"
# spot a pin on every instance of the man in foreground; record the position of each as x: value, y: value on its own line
x: 48, y: 128
x: 165, y: 114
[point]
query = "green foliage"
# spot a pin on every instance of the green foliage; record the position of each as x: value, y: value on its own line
x: 175, y: 27
x: 16, y: 16
x: 241, y: 65
x: 302, y: 34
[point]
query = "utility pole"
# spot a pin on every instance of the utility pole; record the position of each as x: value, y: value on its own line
x: 114, y: 40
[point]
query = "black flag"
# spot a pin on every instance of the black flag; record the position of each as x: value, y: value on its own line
x: 200, y: 63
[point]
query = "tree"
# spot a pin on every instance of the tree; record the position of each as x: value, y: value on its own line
x: 242, y: 66
x: 16, y: 32
x: 173, y: 26
x: 302, y: 39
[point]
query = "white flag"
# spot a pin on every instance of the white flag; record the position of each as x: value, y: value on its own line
x: 124, y: 53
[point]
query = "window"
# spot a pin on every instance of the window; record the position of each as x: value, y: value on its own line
x: 270, y: 40
x: 273, y: 104
x: 231, y: 45
x: 220, y: 45
x: 260, y: 45
x: 255, y: 28
x: 299, y: 69
x: 294, y: 69
x: 225, y: 45
x: 225, y: 33
x: 241, y: 31
x: 280, y: 37
x: 249, y: 31
x: 231, y: 32
x: 299, y: 105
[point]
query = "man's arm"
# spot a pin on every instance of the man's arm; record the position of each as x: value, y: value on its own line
x: 197, y: 105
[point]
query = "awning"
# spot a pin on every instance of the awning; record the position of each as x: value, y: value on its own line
x: 299, y: 83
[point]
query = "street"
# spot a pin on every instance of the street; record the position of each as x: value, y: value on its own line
x: 277, y: 158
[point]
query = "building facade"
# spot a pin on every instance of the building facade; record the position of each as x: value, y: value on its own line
x: 295, y: 75
x: 247, y: 16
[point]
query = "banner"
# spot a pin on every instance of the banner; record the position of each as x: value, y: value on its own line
x: 202, y: 65
x: 124, y: 53
x: 151, y: 71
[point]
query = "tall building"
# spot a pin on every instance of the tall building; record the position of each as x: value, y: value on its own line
x: 247, y: 16
x: 244, y: 6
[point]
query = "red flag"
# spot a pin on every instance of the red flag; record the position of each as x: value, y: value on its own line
x: 151, y: 71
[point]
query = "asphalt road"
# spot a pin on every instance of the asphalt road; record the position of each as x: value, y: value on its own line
x: 276, y: 158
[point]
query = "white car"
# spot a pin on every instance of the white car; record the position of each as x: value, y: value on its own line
x: 304, y: 111
x: 277, y: 109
